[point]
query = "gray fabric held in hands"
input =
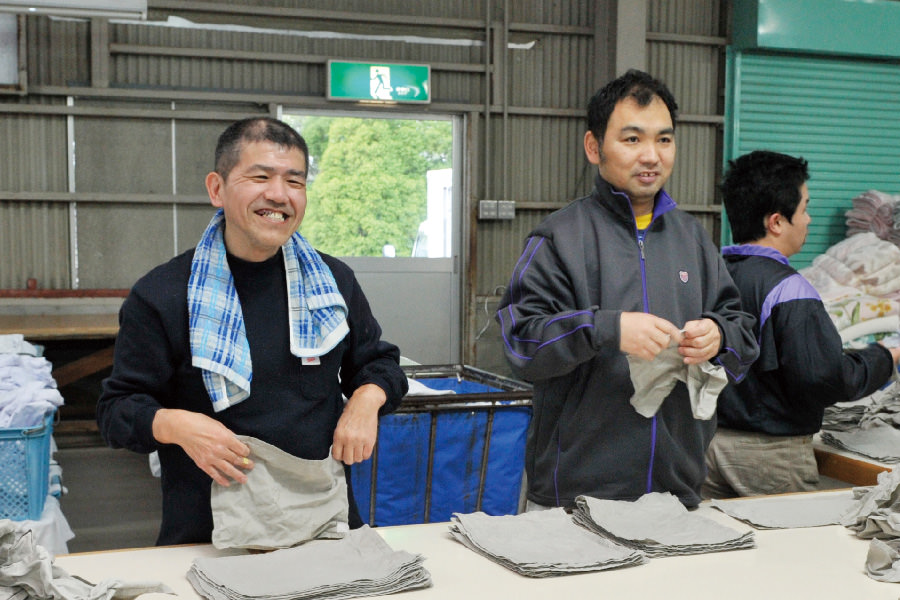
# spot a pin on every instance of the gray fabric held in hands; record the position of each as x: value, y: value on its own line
x: 653, y: 380
x: 286, y: 501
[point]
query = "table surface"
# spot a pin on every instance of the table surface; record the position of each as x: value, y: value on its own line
x: 818, y: 562
x: 37, y: 328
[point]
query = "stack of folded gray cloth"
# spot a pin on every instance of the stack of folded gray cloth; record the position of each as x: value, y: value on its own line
x: 360, y: 564
x: 540, y: 543
x: 877, y: 409
x: 876, y: 516
x: 845, y: 416
x: 658, y: 525
x: 783, y: 512
x: 881, y: 443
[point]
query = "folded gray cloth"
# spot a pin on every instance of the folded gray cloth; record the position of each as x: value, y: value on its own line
x: 286, y: 501
x: 653, y: 380
x: 883, y: 560
x: 360, y: 564
x: 27, y: 571
x: 657, y: 524
x: 783, y: 512
x: 539, y: 543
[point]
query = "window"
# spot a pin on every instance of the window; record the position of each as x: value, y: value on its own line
x: 378, y: 186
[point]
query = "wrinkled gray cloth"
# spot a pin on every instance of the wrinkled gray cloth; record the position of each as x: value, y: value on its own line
x: 360, y: 564
x: 27, y: 572
x: 540, y: 544
x: 657, y: 524
x: 784, y: 512
x: 883, y: 560
x: 876, y: 511
x: 653, y: 380
x: 286, y: 501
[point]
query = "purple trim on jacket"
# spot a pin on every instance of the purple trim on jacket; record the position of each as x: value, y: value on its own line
x: 793, y: 287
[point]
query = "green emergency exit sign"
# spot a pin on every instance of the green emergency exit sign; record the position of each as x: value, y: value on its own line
x: 378, y: 82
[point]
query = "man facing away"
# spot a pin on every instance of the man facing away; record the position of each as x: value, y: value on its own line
x: 619, y: 274
x: 766, y: 422
x: 253, y: 332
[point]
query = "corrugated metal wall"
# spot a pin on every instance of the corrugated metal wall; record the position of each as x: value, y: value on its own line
x: 685, y: 47
x: 143, y: 103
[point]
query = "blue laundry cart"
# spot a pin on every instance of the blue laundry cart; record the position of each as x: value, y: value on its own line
x: 441, y: 454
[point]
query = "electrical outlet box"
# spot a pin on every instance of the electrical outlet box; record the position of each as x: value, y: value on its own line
x: 487, y: 209
x: 506, y: 209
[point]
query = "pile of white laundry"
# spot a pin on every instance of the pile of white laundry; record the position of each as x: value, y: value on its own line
x: 27, y: 390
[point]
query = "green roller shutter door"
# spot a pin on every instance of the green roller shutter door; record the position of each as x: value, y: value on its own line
x: 842, y: 115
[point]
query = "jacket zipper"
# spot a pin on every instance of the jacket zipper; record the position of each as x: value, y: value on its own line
x: 646, y: 300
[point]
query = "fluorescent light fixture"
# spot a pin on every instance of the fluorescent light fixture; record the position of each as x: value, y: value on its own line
x: 111, y: 9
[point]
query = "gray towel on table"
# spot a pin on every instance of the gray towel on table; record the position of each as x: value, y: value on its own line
x: 539, y: 543
x: 359, y: 564
x: 795, y: 510
x: 286, y: 501
x: 658, y: 525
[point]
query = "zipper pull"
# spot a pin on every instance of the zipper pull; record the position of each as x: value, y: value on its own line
x: 641, y: 246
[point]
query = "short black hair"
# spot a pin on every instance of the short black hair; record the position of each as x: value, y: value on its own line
x: 638, y: 85
x: 255, y: 129
x: 759, y: 184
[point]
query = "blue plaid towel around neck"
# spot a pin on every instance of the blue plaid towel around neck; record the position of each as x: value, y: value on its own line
x: 317, y: 313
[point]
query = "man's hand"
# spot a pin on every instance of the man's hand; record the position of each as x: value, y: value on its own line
x: 701, y: 341
x: 211, y: 445
x: 357, y: 429
x: 645, y: 335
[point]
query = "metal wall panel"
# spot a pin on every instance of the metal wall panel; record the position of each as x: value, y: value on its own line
x: 111, y: 156
x: 548, y: 154
x: 692, y: 72
x: 687, y: 17
x: 685, y: 49
x: 34, y: 153
x: 554, y: 72
x: 581, y: 14
x: 695, y: 174
x: 269, y: 62
x: 399, y: 8
x: 34, y: 236
x: 34, y: 243
x: 58, y: 51
x: 117, y: 243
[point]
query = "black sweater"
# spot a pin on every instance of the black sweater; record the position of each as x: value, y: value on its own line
x: 802, y: 366
x: 292, y: 406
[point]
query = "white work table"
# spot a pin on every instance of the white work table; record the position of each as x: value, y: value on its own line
x: 819, y: 562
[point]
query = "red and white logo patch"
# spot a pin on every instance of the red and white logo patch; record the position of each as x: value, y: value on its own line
x: 683, y: 276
